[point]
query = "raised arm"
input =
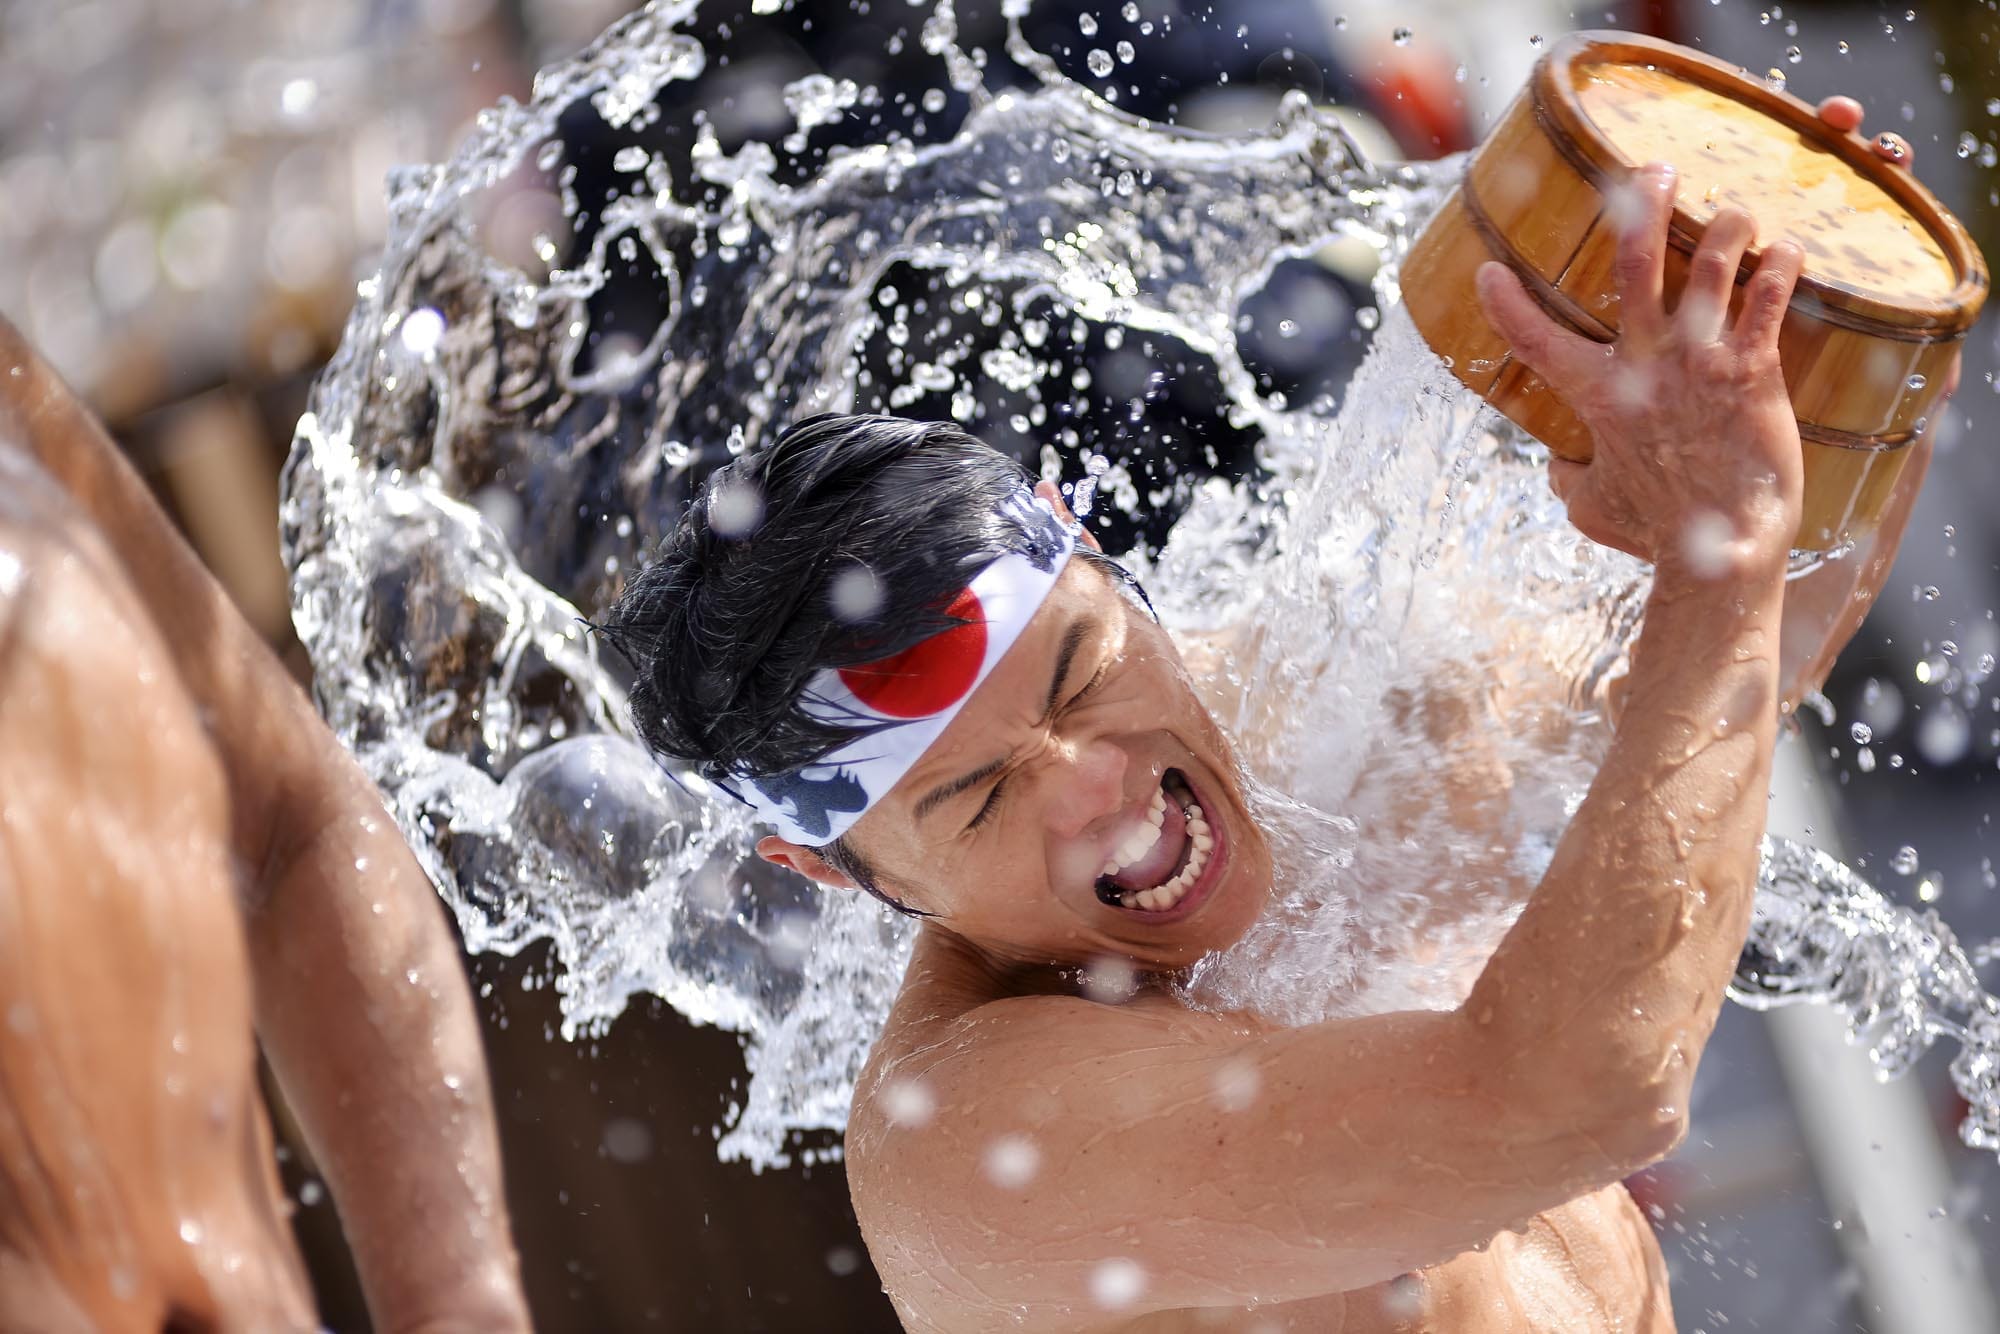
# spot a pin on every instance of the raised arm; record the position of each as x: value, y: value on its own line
x: 359, y: 996
x: 1236, y: 1164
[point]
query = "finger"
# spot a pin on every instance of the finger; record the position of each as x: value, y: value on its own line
x: 1894, y: 148
x: 1641, y: 210
x: 1711, y: 279
x: 1841, y: 113
x: 1538, y: 342
x: 1769, y: 295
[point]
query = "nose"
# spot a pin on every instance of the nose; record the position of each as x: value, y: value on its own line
x: 1088, y: 783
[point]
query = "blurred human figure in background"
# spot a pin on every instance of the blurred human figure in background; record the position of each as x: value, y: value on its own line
x: 186, y: 850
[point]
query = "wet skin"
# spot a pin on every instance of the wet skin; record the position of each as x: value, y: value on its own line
x: 186, y: 849
x: 1043, y: 1142
x: 137, y: 1187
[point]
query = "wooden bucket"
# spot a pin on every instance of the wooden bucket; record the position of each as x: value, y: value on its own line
x: 1892, y: 281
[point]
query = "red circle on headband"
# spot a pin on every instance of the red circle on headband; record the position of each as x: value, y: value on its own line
x: 930, y: 677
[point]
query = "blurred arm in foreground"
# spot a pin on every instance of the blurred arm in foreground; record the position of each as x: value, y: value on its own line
x: 356, y: 985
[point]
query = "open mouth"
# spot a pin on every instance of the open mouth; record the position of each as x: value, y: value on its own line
x: 1166, y: 862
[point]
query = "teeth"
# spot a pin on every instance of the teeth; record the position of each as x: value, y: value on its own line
x: 1142, y: 840
x: 1165, y: 896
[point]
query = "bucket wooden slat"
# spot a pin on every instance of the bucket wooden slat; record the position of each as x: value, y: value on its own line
x: 1865, y: 370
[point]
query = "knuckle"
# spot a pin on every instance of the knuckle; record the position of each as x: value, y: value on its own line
x: 1711, y: 265
x: 1759, y: 363
x: 1635, y: 258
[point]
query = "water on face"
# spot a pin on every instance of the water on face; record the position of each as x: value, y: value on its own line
x: 1407, y: 639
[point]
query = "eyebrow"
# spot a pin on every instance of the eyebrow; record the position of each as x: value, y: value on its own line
x: 1073, y: 640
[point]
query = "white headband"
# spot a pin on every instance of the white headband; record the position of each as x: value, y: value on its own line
x: 905, y: 702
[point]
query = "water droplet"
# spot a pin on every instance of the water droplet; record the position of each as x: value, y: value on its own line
x: 191, y: 1232
x: 1115, y: 1284
x: 1126, y: 52
x: 1861, y: 732
x: 1843, y: 48
x: 1536, y: 42
x: 311, y: 1193
x: 1012, y: 1161
x: 1905, y: 861
x: 1110, y: 979
x: 1368, y: 317
x: 1774, y: 79
x: 907, y: 1103
x: 1130, y: 11
x: 297, y: 97
x: 1793, y: 55
x: 735, y: 507
x: 842, y: 1261
x: 627, y: 1140
x: 422, y: 328
x: 1929, y: 889
x: 1706, y: 543
x: 1944, y: 735
x: 1099, y: 61
x: 1237, y: 1084
x: 1087, y: 25
x: 1864, y: 760
x: 1402, y: 36
x: 855, y: 594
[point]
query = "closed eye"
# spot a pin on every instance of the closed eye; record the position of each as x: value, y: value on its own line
x: 992, y: 802
x: 1090, y: 687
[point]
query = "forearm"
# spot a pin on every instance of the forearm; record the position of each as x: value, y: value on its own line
x: 1824, y: 609
x: 394, y: 1099
x: 1609, y: 984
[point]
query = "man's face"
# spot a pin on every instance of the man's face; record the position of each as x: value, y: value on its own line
x: 1082, y: 803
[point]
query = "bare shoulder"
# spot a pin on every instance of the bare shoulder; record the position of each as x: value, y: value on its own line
x: 965, y: 1127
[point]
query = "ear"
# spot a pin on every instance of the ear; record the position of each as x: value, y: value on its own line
x: 1047, y: 491
x: 805, y: 861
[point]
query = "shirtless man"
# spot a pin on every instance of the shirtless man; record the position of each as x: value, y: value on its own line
x: 937, y: 691
x: 185, y: 849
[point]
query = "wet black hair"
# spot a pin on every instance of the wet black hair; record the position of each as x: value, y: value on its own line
x: 839, y: 543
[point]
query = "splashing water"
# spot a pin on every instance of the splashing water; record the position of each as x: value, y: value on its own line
x: 494, y: 446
